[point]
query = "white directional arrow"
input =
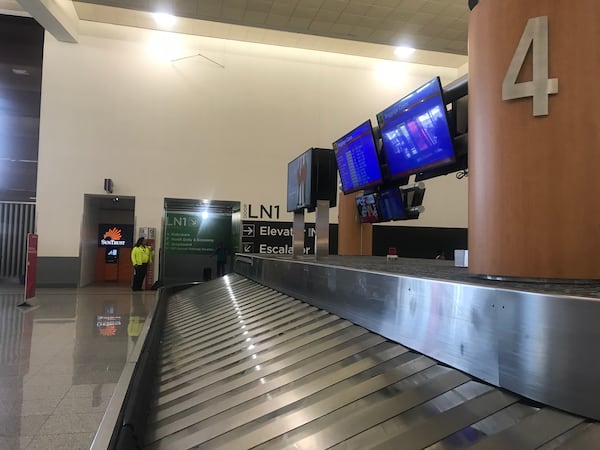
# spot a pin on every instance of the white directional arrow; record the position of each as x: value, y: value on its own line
x: 248, y: 230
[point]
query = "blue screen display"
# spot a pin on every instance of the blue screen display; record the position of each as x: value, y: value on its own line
x: 357, y: 160
x: 415, y: 132
x: 391, y: 205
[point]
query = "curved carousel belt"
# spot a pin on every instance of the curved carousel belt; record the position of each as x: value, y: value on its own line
x: 244, y: 366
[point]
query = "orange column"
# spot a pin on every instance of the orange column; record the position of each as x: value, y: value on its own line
x: 533, y: 180
x: 366, y: 239
x: 349, y: 239
x: 354, y: 238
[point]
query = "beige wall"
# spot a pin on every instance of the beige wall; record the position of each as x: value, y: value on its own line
x: 191, y: 129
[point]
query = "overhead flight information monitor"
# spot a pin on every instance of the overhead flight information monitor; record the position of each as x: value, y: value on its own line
x: 415, y: 132
x: 356, y: 156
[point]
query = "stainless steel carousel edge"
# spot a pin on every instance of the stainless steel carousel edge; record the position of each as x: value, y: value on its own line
x: 537, y: 345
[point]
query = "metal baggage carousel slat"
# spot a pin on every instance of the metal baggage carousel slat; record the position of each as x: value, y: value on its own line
x: 251, y: 356
x: 488, y: 426
x: 243, y: 366
x: 363, y: 413
x: 178, y: 313
x: 268, y: 333
x: 211, y: 312
x: 325, y: 368
x: 531, y: 432
x: 274, y: 399
x: 415, y: 417
x: 331, y: 357
x: 220, y: 319
x: 583, y: 437
x: 442, y: 424
x: 210, y: 337
x: 213, y: 307
x: 280, y: 414
x: 336, y: 334
x: 263, y: 336
x: 208, y: 329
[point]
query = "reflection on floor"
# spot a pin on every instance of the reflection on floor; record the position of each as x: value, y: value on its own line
x: 61, y: 359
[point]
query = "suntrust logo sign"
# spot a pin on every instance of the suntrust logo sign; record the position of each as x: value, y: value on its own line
x: 112, y: 235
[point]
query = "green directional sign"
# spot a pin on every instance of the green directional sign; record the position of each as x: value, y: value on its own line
x: 191, y: 233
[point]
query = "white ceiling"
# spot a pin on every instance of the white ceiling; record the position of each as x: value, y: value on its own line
x: 371, y: 28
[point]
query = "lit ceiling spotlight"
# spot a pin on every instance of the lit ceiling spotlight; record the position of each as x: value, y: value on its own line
x: 204, y: 215
x: 164, y: 20
x: 404, y: 52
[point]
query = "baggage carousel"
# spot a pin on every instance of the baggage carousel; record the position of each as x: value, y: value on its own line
x: 357, y: 353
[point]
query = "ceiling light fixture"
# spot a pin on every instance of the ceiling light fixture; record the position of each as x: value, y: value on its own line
x: 404, y: 52
x: 164, y: 20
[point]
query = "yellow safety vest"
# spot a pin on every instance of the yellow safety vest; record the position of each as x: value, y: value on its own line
x: 147, y: 254
x: 137, y: 255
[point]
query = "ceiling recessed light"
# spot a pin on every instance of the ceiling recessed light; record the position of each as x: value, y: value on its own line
x: 164, y: 20
x: 404, y: 51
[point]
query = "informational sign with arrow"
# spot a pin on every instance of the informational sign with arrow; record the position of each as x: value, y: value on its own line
x: 248, y: 231
x: 276, y: 238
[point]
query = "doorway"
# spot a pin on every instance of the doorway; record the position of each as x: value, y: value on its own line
x: 107, y: 233
x: 192, y: 231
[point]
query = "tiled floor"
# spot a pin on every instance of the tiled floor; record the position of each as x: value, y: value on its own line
x: 61, y: 359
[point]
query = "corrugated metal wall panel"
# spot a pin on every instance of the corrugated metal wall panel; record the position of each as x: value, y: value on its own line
x: 16, y: 220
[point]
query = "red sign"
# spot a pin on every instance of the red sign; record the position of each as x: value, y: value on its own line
x: 31, y: 269
x: 149, y: 281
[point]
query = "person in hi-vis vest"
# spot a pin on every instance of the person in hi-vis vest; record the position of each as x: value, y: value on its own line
x: 141, y: 255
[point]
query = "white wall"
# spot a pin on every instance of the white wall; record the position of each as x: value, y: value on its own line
x: 191, y: 129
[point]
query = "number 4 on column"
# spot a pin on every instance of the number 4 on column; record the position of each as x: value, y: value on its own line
x: 536, y: 34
